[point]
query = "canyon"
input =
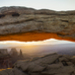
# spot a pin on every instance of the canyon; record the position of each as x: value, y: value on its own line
x: 28, y: 24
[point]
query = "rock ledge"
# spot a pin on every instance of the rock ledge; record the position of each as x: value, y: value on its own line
x: 52, y: 64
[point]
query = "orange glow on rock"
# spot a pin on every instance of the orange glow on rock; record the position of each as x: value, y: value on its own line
x: 33, y: 36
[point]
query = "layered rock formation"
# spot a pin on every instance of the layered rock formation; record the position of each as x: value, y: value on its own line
x: 52, y: 64
x: 5, y: 59
x: 15, y: 55
x: 27, y: 24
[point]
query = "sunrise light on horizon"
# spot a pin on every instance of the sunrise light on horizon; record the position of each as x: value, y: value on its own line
x: 44, y: 42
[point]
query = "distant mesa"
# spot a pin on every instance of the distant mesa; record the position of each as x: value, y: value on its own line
x: 7, y: 59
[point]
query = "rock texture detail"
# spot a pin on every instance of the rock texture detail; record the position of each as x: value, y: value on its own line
x: 16, y: 22
x: 52, y: 64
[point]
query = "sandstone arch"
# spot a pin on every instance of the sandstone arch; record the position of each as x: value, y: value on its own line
x: 35, y: 25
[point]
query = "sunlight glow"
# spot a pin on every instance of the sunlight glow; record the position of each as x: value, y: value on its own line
x: 45, y: 42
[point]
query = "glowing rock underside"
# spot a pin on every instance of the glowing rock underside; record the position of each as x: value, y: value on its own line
x: 27, y: 24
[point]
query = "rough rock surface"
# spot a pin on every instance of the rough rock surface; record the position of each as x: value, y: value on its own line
x: 46, y: 65
x: 15, y: 22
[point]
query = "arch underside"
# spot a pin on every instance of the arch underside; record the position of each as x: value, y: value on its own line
x: 34, y: 36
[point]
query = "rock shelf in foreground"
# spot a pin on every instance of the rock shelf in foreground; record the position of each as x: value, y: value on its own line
x: 52, y: 64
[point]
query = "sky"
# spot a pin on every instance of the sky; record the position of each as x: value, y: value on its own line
x: 58, y: 5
